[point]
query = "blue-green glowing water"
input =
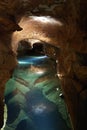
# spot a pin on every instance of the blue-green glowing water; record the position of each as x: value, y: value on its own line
x: 32, y: 96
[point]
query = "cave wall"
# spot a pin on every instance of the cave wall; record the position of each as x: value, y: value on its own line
x: 71, y: 41
x: 7, y: 65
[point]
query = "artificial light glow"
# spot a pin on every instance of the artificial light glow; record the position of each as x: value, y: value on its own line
x: 37, y: 70
x: 60, y: 76
x: 46, y: 19
x: 57, y: 89
x: 40, y: 108
x: 41, y: 57
x: 30, y: 60
x: 33, y: 41
x: 40, y: 72
x: 56, y: 61
x: 24, y: 62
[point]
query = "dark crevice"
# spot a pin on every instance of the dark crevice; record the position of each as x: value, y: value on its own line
x: 81, y: 58
x: 36, y: 47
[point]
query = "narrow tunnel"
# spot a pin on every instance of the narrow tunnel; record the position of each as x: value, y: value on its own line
x: 35, y: 101
x: 62, y: 28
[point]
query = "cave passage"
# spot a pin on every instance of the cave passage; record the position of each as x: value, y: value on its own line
x: 32, y: 96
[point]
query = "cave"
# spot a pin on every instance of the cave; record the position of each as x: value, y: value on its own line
x: 46, y: 39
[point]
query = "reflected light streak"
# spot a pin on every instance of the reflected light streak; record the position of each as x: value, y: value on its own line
x: 30, y: 60
x: 40, y: 72
x: 25, y: 62
x: 40, y: 108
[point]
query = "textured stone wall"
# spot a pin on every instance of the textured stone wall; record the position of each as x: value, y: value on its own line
x: 71, y: 40
x: 7, y: 64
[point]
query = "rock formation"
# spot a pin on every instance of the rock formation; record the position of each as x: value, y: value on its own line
x: 70, y: 39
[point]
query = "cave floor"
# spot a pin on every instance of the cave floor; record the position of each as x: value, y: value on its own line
x: 32, y: 97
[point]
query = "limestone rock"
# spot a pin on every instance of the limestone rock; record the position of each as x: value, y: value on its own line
x: 71, y: 39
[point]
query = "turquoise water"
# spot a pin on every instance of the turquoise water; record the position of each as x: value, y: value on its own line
x: 32, y: 96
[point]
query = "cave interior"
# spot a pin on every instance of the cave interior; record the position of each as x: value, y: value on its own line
x: 43, y: 65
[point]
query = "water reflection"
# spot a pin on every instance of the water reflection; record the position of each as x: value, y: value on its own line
x: 32, y: 96
x: 31, y: 60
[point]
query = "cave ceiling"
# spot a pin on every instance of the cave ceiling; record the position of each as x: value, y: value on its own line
x: 69, y: 12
